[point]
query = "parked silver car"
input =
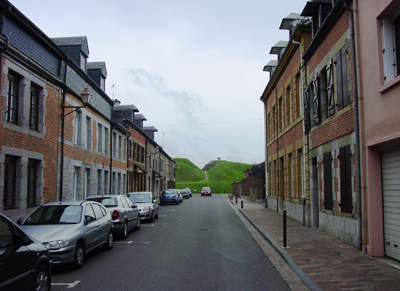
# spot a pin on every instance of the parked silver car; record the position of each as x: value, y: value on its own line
x: 185, y: 193
x: 124, y: 213
x: 70, y: 229
x: 147, y: 204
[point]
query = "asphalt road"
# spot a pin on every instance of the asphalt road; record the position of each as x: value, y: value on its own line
x: 200, y: 244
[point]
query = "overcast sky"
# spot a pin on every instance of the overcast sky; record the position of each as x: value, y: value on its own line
x: 193, y: 68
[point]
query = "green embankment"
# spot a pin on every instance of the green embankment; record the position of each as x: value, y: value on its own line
x: 220, y: 177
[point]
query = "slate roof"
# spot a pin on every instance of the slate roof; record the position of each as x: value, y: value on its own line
x: 140, y: 117
x: 150, y: 128
x: 125, y: 108
x: 287, y: 22
x: 98, y: 65
x: 278, y: 47
x: 73, y: 41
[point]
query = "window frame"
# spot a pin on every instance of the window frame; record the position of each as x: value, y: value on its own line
x: 13, y: 97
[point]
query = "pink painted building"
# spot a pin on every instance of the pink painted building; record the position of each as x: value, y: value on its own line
x: 377, y: 30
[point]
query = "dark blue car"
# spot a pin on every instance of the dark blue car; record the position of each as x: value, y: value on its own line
x: 169, y: 196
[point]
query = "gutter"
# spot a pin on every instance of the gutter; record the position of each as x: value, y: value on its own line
x: 356, y: 106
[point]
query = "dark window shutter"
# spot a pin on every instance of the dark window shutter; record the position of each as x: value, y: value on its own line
x: 330, y: 87
x: 346, y: 201
x: 345, y: 81
x: 307, y: 124
x: 317, y: 109
x: 339, y: 91
x: 396, y: 25
x: 328, y: 194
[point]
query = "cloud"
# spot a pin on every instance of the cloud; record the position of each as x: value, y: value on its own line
x: 185, y: 104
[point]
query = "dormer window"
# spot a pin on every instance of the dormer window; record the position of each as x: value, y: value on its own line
x: 103, y: 83
x: 83, y: 62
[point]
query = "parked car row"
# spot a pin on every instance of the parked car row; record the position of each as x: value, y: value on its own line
x: 174, y: 196
x: 64, y: 232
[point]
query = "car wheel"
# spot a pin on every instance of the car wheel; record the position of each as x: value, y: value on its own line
x: 43, y: 279
x: 152, y: 217
x: 177, y: 202
x: 138, y: 224
x: 108, y: 245
x: 79, y: 256
x: 125, y: 230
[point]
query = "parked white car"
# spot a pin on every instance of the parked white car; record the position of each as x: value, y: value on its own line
x: 147, y: 204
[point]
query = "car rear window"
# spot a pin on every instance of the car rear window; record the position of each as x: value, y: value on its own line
x: 106, y: 201
x: 168, y: 192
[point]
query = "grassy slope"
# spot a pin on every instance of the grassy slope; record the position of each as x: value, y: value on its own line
x: 220, y: 177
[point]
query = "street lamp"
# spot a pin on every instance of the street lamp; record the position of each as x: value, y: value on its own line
x: 85, y: 97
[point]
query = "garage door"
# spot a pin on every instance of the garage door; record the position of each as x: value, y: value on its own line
x: 391, y: 202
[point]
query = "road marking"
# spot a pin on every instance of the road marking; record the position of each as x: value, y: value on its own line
x: 123, y: 242
x: 162, y: 216
x: 70, y: 285
x: 147, y: 224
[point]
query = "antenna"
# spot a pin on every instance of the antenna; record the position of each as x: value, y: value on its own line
x: 112, y: 87
x: 163, y: 139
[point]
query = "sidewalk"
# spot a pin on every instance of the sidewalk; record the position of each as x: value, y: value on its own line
x: 321, y: 261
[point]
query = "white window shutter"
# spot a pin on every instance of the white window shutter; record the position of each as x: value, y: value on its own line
x: 388, y: 49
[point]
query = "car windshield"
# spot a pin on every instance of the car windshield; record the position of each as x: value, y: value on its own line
x: 55, y: 214
x: 206, y: 188
x: 140, y: 198
x: 183, y: 191
x: 106, y: 201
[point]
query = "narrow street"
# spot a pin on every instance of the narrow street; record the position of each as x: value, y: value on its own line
x: 201, y: 244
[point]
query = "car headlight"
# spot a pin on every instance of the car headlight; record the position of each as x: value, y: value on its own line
x: 146, y: 208
x: 56, y: 244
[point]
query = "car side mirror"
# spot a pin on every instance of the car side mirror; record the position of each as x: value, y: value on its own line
x: 19, y: 221
x: 155, y: 201
x: 134, y: 206
x: 88, y: 219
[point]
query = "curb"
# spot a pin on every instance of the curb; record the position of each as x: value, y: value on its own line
x: 288, y: 259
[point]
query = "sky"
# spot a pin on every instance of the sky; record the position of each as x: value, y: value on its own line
x: 193, y: 68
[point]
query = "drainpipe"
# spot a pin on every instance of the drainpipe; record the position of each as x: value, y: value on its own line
x: 358, y: 147
x: 277, y: 150
x: 63, y: 92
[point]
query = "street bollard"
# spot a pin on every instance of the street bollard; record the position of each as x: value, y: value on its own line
x: 284, y: 228
x: 242, y: 203
x: 236, y: 199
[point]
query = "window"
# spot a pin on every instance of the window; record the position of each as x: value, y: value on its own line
x: 13, y: 98
x: 299, y: 176
x: 33, y: 171
x: 296, y: 92
x: 289, y: 176
x: 316, y: 100
x: 10, y: 181
x: 78, y: 128
x: 114, y: 145
x: 307, y: 109
x: 281, y: 125
x: 142, y: 154
x: 391, y: 47
x: 323, y: 94
x: 341, y: 78
x: 119, y: 147
x: 99, y: 138
x: 130, y: 144
x: 288, y: 106
x: 88, y: 132
x: 77, y: 174
x: 106, y: 139
x: 330, y: 87
x: 328, y: 193
x: 83, y: 62
x: 34, y: 108
x: 106, y: 182
x: 346, y: 201
x: 87, y: 182
x: 99, y: 182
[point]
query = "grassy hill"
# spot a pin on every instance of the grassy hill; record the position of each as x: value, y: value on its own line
x: 220, y: 177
